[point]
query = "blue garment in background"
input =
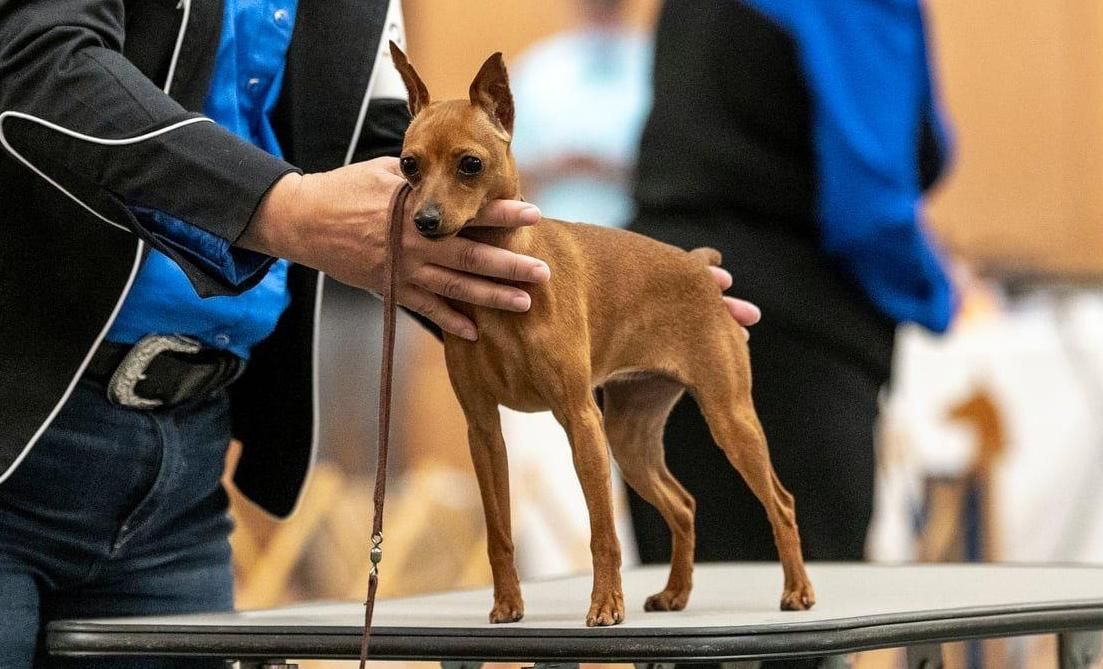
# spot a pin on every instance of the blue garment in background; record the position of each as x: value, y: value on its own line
x: 866, y: 68
x: 245, y: 86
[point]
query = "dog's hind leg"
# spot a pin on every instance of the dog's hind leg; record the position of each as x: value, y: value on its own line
x: 635, y: 414
x: 488, y: 454
x: 724, y: 395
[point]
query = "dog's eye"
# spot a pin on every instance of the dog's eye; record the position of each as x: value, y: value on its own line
x: 470, y: 165
x: 408, y: 165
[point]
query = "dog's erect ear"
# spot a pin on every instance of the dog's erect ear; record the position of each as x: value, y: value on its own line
x: 490, y: 90
x: 415, y: 87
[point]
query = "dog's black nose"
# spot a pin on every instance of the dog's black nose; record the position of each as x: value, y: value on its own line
x: 427, y: 220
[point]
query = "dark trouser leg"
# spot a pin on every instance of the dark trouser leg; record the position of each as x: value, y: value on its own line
x: 115, y: 512
x: 18, y: 615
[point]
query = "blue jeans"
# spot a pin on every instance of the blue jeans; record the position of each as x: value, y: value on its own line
x: 114, y: 512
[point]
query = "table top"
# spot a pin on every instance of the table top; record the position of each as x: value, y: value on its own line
x: 732, y: 614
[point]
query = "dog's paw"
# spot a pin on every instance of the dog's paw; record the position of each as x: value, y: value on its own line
x: 667, y: 600
x: 605, y: 610
x: 507, y: 611
x: 799, y: 598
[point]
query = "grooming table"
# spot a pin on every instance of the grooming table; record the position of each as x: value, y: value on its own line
x: 732, y: 616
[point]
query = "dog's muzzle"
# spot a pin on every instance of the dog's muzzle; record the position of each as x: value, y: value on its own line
x: 427, y: 220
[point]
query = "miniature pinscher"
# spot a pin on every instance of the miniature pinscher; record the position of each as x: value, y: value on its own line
x: 640, y: 319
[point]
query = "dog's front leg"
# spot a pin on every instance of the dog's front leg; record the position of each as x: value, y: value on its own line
x: 488, y: 454
x: 582, y: 421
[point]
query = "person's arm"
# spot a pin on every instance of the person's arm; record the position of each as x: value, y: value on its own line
x: 97, y: 130
x: 866, y: 66
x: 76, y: 111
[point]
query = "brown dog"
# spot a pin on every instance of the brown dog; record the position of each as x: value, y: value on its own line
x: 643, y: 320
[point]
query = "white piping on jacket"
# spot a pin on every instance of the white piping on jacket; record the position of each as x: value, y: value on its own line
x: 84, y: 138
x: 362, y: 115
x: 186, y: 6
x: 139, y: 248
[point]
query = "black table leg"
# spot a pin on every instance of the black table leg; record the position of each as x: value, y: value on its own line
x: 1078, y: 650
x: 925, y: 656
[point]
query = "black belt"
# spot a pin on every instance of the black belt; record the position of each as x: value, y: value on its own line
x: 162, y: 371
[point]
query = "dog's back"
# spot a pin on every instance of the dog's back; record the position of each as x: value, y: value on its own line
x: 632, y: 303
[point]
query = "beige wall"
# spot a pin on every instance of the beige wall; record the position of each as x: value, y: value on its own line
x: 449, y: 40
x: 1023, y: 82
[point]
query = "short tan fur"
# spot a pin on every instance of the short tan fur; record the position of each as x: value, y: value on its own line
x: 640, y: 319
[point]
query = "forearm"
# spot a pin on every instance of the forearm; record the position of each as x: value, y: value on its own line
x: 101, y: 132
x: 271, y: 230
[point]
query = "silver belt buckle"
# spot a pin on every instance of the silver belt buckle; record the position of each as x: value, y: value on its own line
x: 132, y: 370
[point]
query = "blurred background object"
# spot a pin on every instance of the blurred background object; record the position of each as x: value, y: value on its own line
x: 991, y: 438
x: 1023, y: 83
x: 582, y: 96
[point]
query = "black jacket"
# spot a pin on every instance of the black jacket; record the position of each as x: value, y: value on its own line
x: 727, y: 160
x: 97, y: 68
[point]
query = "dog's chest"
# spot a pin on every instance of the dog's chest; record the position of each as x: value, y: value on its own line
x: 502, y: 367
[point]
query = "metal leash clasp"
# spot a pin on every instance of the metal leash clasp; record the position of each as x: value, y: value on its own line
x: 376, y: 552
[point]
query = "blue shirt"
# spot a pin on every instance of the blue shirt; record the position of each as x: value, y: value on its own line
x: 865, y: 64
x: 245, y: 85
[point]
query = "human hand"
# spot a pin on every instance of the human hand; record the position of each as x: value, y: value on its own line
x: 337, y: 222
x: 744, y: 312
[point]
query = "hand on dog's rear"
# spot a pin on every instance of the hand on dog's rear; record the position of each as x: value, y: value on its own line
x: 337, y: 222
x: 744, y: 312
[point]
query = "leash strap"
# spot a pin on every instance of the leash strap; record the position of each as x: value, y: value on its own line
x: 386, y: 375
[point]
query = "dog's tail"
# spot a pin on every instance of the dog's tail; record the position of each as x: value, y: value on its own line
x: 707, y: 255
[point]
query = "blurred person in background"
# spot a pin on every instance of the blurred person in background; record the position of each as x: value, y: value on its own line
x: 582, y: 97
x: 797, y: 139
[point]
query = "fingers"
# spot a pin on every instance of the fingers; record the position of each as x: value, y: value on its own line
x: 745, y: 313
x: 388, y: 164
x: 485, y: 260
x: 722, y: 277
x: 468, y: 288
x: 437, y: 310
x: 462, y: 269
x: 507, y: 214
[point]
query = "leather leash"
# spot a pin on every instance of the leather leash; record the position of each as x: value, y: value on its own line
x: 386, y: 375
